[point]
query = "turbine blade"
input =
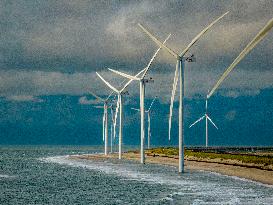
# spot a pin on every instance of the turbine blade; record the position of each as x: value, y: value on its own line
x: 112, y: 115
x: 201, y: 118
x: 108, y: 84
x: 128, y: 83
x: 244, y: 52
x: 144, y: 71
x: 113, y: 92
x: 151, y: 104
x: 201, y: 33
x: 135, y: 109
x: 122, y: 82
x: 154, y: 56
x: 140, y: 72
x: 158, y: 42
x: 175, y: 80
x: 116, y: 115
x: 113, y: 122
x: 110, y: 95
x: 124, y: 74
x: 212, y: 122
x: 98, y: 98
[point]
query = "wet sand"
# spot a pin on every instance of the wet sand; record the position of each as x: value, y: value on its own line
x: 238, y: 170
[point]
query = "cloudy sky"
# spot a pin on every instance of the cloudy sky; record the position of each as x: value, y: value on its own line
x: 50, y: 49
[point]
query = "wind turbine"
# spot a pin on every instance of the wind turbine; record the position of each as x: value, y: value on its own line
x: 263, y: 32
x: 142, y: 82
x: 206, y: 118
x: 111, y: 107
x: 104, y: 118
x: 119, y: 108
x: 180, y: 68
x: 149, y: 121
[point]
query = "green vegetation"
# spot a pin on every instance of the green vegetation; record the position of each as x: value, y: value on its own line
x: 244, y: 158
x: 169, y: 151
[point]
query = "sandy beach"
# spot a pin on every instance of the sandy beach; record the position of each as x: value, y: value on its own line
x: 221, y: 167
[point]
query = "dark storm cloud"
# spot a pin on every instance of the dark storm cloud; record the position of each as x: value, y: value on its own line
x: 40, y: 40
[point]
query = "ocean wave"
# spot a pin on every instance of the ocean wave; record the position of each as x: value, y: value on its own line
x: 6, y: 176
x: 128, y: 172
x: 195, y: 185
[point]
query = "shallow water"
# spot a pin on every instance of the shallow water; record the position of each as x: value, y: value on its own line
x: 45, y: 175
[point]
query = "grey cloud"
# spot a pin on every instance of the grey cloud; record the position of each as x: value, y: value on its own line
x: 24, y: 98
x: 84, y: 101
x: 236, y: 93
x: 197, y: 84
x: 225, y: 38
x: 46, y: 38
x: 26, y: 84
x: 37, y: 83
x: 86, y: 35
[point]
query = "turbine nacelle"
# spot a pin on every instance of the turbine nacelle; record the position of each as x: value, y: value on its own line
x: 150, y: 80
x: 190, y: 59
x: 126, y: 92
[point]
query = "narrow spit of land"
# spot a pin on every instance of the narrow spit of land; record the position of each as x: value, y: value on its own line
x: 256, y: 166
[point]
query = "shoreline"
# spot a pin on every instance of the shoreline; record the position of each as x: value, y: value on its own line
x: 249, y: 173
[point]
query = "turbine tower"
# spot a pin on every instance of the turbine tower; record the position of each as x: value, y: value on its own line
x: 260, y: 36
x: 104, y: 118
x: 206, y: 116
x: 180, y: 69
x: 149, y: 121
x: 112, y: 127
x: 142, y: 82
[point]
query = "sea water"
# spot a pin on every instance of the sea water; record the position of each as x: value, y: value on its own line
x: 47, y: 175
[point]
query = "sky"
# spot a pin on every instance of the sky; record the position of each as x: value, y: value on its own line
x: 50, y: 51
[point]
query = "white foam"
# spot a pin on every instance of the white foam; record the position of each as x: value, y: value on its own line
x: 109, y: 168
x: 6, y: 176
x: 189, y: 185
x: 169, y: 199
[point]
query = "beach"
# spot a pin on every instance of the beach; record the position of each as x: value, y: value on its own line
x: 224, y: 167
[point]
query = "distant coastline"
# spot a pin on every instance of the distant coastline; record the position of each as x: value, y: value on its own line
x: 256, y: 166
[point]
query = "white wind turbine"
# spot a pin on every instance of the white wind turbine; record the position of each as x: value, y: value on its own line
x: 111, y: 107
x: 104, y: 118
x: 119, y: 108
x: 180, y: 70
x: 142, y: 82
x: 149, y: 121
x: 263, y: 32
x: 206, y: 116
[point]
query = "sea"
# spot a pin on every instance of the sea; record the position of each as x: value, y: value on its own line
x: 47, y: 175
